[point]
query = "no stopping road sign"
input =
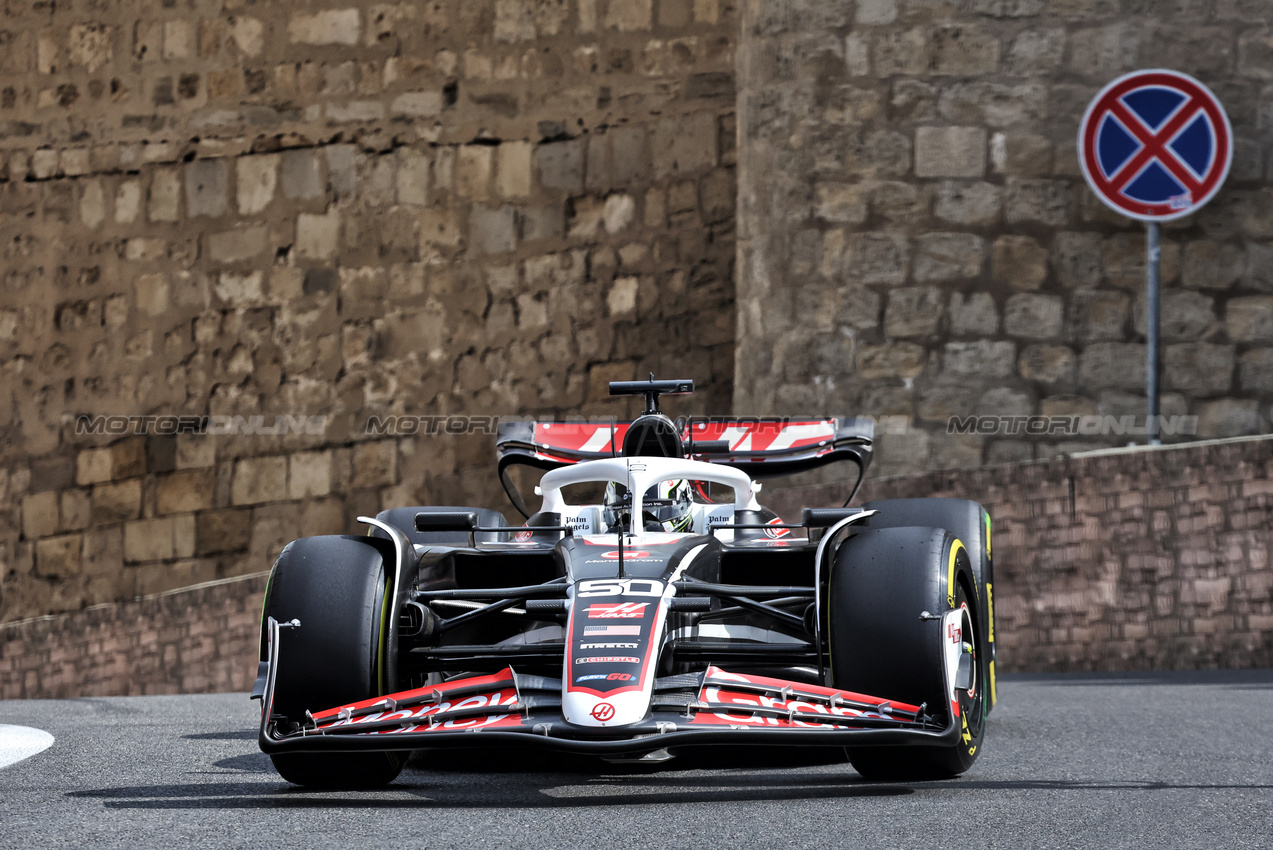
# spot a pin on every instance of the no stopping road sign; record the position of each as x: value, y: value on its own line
x: 1155, y: 145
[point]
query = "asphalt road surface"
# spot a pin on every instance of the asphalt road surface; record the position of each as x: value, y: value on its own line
x: 1135, y: 760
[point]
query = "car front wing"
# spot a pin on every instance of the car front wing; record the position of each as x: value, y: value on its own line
x: 511, y: 709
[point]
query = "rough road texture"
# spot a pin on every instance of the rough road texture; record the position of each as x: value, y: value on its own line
x: 335, y: 210
x: 1069, y: 762
x: 1137, y: 561
x: 916, y: 239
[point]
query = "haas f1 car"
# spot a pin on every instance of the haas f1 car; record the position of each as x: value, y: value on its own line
x: 650, y: 603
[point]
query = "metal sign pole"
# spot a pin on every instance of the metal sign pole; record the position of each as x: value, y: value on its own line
x: 1155, y: 145
x: 1154, y: 254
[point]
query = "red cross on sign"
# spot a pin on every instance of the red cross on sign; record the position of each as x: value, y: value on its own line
x: 1155, y: 145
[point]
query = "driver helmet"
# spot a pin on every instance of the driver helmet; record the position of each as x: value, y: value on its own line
x: 667, y: 506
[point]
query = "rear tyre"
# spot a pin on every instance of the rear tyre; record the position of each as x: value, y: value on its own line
x: 970, y: 522
x: 338, y: 587
x: 880, y: 583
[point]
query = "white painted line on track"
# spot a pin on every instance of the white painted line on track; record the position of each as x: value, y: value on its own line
x: 21, y: 742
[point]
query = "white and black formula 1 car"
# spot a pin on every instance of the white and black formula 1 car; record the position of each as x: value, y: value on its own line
x: 650, y: 603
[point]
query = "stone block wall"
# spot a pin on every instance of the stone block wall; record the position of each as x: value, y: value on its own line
x: 329, y: 211
x: 916, y: 239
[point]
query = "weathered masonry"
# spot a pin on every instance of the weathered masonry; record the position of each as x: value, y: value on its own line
x: 302, y: 217
x: 285, y: 211
x: 916, y: 239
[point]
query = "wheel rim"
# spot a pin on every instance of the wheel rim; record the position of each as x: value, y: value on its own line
x: 970, y: 642
x: 971, y: 701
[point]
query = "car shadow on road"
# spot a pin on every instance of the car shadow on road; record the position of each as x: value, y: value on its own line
x: 451, y: 779
x: 487, y: 779
x: 235, y: 735
x: 410, y: 792
x: 528, y: 760
x: 417, y: 791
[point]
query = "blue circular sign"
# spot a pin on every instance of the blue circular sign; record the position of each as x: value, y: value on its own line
x: 1155, y: 145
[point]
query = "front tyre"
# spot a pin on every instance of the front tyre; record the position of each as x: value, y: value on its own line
x: 881, y: 582
x: 339, y: 588
x: 970, y: 522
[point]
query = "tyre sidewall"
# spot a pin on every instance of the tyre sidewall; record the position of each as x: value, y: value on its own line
x: 339, y: 589
x: 336, y: 586
x: 881, y: 583
x: 970, y: 522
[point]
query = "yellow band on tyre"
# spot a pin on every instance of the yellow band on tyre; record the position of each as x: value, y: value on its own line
x: 950, y: 572
x: 990, y: 611
x: 382, y: 686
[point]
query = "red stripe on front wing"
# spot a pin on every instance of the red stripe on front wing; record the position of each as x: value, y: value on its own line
x: 504, y: 678
x: 811, y: 711
x: 779, y: 684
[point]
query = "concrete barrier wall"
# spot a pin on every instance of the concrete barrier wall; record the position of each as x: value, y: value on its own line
x: 200, y: 639
x: 1153, y: 559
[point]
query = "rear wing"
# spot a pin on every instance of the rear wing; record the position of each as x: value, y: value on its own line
x: 760, y: 447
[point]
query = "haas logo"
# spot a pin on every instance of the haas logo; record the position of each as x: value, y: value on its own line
x: 618, y: 610
x: 602, y: 712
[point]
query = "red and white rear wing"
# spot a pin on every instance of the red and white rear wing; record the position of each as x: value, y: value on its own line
x: 759, y: 447
x: 752, y: 441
